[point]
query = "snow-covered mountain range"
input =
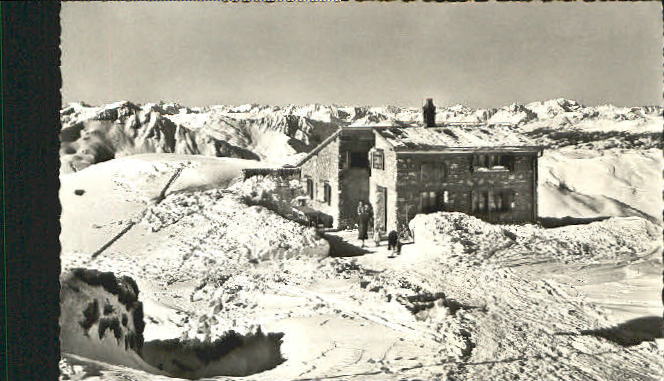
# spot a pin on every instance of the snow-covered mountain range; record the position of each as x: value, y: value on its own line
x: 281, y: 134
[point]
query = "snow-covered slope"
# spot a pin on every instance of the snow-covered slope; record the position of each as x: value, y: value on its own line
x: 466, y: 301
x: 584, y: 183
x: 99, y: 201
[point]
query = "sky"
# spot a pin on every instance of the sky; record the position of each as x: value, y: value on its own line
x: 480, y: 55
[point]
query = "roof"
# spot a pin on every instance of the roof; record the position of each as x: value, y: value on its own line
x: 495, y: 137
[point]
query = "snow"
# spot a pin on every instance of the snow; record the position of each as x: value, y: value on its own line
x: 432, y: 137
x: 591, y: 183
x: 532, y: 300
x: 458, y: 234
x: 467, y: 300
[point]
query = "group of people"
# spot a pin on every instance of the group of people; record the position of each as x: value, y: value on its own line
x: 365, y: 217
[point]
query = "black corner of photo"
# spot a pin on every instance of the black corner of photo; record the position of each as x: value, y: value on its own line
x: 31, y: 85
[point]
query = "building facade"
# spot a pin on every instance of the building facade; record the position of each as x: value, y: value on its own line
x: 335, y: 175
x: 404, y: 171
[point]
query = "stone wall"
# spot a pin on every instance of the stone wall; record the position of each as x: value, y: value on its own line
x: 322, y: 167
x: 461, y: 180
x: 385, y: 178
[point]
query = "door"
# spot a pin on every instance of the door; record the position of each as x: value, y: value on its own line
x: 380, y: 214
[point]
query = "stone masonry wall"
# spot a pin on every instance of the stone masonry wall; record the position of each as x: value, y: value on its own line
x: 324, y: 166
x: 386, y: 178
x: 461, y: 180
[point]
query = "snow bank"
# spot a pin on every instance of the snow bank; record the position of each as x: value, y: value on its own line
x: 473, y: 240
x: 102, y: 319
x: 239, y: 230
x: 272, y: 192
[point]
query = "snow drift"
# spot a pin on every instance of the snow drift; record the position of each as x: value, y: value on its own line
x: 98, y: 201
x: 102, y: 319
x: 234, y: 228
x: 473, y: 240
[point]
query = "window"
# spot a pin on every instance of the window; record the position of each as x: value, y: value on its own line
x: 310, y: 188
x: 433, y: 201
x: 433, y: 172
x: 327, y: 193
x: 378, y: 159
x: 486, y: 201
x: 479, y: 161
x: 427, y: 202
x: 507, y: 161
x: 493, y: 161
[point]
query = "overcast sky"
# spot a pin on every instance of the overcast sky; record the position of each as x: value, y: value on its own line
x: 481, y: 55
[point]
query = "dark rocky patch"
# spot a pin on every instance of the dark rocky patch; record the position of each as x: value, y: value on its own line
x: 108, y: 309
x: 420, y: 302
x: 509, y: 235
x: 426, y: 300
x: 467, y: 351
x: 554, y: 222
x: 552, y: 138
x: 451, y: 133
x: 71, y: 134
x: 91, y: 315
x: 139, y: 323
x: 126, y: 289
x: 133, y: 341
x: 112, y: 324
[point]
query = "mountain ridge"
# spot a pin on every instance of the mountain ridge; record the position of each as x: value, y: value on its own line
x: 280, y: 135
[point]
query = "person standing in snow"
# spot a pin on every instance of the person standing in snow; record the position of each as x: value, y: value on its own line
x: 369, y: 209
x: 363, y: 222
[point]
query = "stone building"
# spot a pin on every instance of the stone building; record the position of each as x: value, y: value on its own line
x: 336, y: 175
x: 485, y: 171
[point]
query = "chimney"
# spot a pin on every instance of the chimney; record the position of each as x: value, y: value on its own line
x: 429, y: 113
